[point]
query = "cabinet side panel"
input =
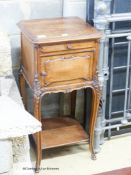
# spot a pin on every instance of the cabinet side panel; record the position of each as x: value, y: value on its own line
x: 27, y: 59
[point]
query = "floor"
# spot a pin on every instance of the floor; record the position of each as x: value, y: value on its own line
x: 75, y: 160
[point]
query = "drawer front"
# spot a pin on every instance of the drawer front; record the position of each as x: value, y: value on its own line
x: 67, y: 69
x: 66, y: 47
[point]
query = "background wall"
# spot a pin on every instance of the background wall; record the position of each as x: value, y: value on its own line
x: 74, y: 8
x: 12, y: 11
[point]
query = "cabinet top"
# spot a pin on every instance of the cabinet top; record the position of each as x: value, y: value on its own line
x: 58, y: 30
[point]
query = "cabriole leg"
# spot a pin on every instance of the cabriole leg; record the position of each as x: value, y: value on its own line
x: 37, y: 114
x: 93, y: 117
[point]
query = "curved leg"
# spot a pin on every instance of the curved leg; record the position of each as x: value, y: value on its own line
x: 94, y: 111
x: 37, y: 114
x: 38, y: 152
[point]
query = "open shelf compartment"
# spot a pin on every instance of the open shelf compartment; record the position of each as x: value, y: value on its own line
x: 59, y: 131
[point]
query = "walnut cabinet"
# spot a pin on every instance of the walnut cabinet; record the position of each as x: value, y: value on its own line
x: 59, y: 55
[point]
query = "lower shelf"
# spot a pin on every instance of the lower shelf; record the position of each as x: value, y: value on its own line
x: 61, y: 131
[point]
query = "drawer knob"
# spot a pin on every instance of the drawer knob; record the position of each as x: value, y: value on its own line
x: 69, y: 46
x: 43, y: 74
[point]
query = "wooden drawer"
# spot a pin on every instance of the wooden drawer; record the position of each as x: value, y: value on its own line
x: 67, y: 68
x: 66, y: 47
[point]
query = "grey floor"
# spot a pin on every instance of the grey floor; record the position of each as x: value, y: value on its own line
x: 75, y: 160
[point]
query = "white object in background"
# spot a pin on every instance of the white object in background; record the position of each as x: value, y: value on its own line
x: 74, y: 8
x: 6, y: 158
x: 4, y: 85
x: 14, y: 151
x: 5, y: 55
x: 14, y: 122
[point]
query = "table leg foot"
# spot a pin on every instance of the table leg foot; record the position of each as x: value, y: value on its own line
x: 93, y: 156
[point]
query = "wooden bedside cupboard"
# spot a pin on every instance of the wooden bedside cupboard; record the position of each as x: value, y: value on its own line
x: 59, y: 55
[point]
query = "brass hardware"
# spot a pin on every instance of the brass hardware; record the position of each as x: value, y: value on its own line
x: 43, y: 74
x: 69, y: 46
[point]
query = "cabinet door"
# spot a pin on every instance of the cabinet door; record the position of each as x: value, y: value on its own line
x: 67, y: 69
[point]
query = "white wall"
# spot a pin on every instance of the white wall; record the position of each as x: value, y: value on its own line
x: 74, y: 8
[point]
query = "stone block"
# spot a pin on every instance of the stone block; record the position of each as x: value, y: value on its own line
x: 46, y: 8
x: 50, y: 104
x: 75, y: 8
x: 6, y: 159
x: 5, y: 55
x: 15, y: 50
x: 10, y: 15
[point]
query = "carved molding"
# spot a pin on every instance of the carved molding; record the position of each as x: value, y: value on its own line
x: 96, y: 85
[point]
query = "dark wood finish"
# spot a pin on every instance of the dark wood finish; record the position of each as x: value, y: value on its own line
x: 60, y: 55
x: 73, y: 103
x: 124, y: 171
